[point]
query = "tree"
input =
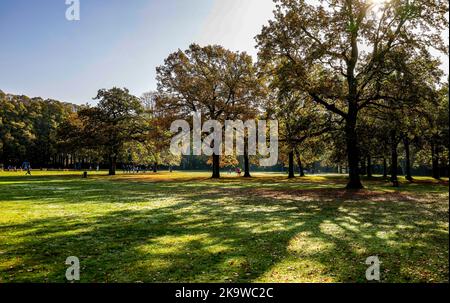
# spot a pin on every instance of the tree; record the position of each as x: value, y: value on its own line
x: 414, y: 78
x: 157, y: 139
x: 337, y: 48
x: 48, y: 116
x: 28, y: 128
x: 436, y: 131
x: 299, y: 119
x: 211, y: 80
x: 116, y: 119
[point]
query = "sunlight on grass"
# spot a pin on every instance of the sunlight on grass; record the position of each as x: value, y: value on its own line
x: 186, y: 227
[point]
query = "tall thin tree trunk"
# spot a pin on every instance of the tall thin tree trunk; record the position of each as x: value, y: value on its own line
x: 112, y: 165
x: 216, y: 166
x: 300, y: 165
x: 246, y: 161
x: 3, y: 155
x: 291, y: 165
x: 385, y: 168
x: 435, y: 162
x: 369, y: 166
x: 408, y: 159
x: 155, y: 167
x: 445, y: 166
x: 352, y: 152
x: 113, y: 160
x: 363, y: 167
x: 394, y: 163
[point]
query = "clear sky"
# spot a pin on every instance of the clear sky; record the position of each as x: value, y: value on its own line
x: 116, y: 42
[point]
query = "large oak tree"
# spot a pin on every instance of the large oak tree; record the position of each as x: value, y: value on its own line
x: 116, y: 119
x: 337, y: 49
x: 212, y: 80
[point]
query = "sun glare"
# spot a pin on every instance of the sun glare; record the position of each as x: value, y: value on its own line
x: 378, y: 3
x: 377, y: 6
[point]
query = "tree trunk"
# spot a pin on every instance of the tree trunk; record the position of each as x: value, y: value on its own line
x: 408, y: 159
x: 155, y: 167
x: 246, y: 161
x: 112, y: 165
x: 363, y: 170
x: 394, y: 164
x: 435, y: 162
x: 352, y: 152
x: 300, y: 165
x: 385, y: 168
x: 291, y: 165
x: 3, y: 155
x: 352, y: 116
x: 369, y: 166
x: 445, y: 168
x: 216, y: 167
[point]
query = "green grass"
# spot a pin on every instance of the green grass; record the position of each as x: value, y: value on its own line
x: 184, y: 227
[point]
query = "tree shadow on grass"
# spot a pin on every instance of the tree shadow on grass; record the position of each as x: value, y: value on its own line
x: 216, y: 234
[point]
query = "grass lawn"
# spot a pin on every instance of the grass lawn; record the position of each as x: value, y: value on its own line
x: 184, y: 227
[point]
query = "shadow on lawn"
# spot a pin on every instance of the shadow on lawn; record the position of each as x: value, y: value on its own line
x: 237, y: 235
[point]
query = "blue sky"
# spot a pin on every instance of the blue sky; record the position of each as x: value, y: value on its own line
x: 116, y: 42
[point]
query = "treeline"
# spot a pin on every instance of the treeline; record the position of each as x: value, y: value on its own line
x: 28, y: 130
x: 53, y: 134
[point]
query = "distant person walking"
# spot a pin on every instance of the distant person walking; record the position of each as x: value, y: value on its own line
x: 238, y: 171
x: 27, y: 166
